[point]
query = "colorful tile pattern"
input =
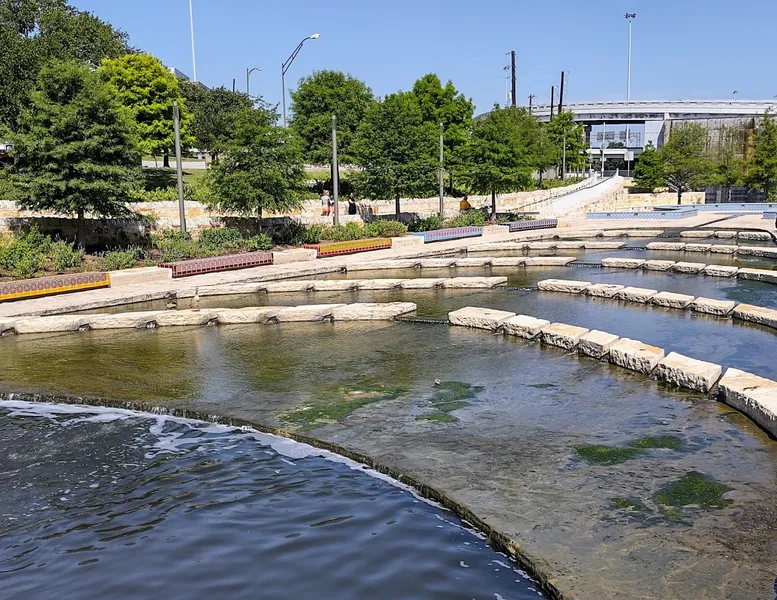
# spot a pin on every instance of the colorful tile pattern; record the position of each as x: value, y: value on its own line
x: 198, y: 266
x: 48, y: 286
x: 455, y: 233
x: 350, y: 247
x: 536, y: 224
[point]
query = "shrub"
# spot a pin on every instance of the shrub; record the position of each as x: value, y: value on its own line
x: 64, y: 256
x: 117, y: 260
x: 472, y: 218
x: 226, y: 238
x: 25, y: 254
x: 259, y: 242
x: 344, y: 233
x: 390, y: 228
x: 427, y: 224
x: 176, y: 245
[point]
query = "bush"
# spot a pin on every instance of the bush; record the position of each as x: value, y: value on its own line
x: 226, y: 238
x: 117, y: 260
x: 25, y: 254
x: 427, y: 224
x: 176, y: 245
x: 389, y: 228
x: 259, y: 242
x: 474, y: 218
x: 344, y: 233
x: 65, y: 256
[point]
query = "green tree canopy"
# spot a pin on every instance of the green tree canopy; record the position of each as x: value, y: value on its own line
x: 686, y: 163
x: 397, y: 150
x: 261, y: 168
x: 316, y: 99
x: 76, y: 149
x: 649, y: 169
x: 563, y: 129
x: 214, y: 112
x: 33, y: 32
x: 762, y: 172
x: 148, y: 90
x: 503, y: 152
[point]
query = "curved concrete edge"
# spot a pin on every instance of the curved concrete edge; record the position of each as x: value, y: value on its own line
x: 754, y: 396
x: 215, y: 316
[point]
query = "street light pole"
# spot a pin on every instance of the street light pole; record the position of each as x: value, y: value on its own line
x: 248, y: 79
x: 335, y: 172
x: 179, y: 166
x: 630, y: 17
x: 191, y: 28
x: 442, y: 166
x: 285, y: 67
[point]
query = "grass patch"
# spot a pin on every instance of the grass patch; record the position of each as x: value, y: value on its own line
x: 627, y: 503
x: 437, y: 417
x: 449, y: 396
x: 605, y: 455
x: 692, y: 490
x: 669, y: 442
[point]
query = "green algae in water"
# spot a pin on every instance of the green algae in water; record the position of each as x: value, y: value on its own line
x: 628, y: 503
x: 437, y: 417
x: 605, y: 455
x: 669, y: 442
x: 336, y: 404
x: 449, y: 396
x: 692, y: 490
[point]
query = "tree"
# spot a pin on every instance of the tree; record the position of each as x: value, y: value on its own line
x: 729, y: 157
x: 686, y: 164
x: 316, y: 99
x: 396, y: 150
x: 447, y: 106
x: 762, y: 172
x: 148, y: 90
x: 503, y: 152
x: 261, y: 167
x: 33, y: 32
x: 649, y: 170
x: 76, y: 149
x: 214, y: 113
x: 564, y: 130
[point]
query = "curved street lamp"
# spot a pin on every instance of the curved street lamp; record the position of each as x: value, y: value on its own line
x: 248, y: 81
x: 285, y: 67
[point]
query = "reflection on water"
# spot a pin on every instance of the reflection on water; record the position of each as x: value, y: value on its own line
x: 106, y: 503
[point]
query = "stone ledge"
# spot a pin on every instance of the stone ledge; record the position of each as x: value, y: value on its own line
x: 754, y: 396
x: 758, y: 251
x: 698, y: 247
x: 711, y: 306
x: 672, y: 300
x: 720, y: 271
x: 756, y: 314
x: 509, y: 261
x: 313, y: 312
x: 563, y: 285
x: 604, y: 290
x: 462, y: 283
x: 760, y: 236
x: 479, y: 318
x: 686, y: 372
x: 542, y: 245
x: 688, y: 267
x: 372, y: 311
x: 696, y: 234
x: 548, y: 261
x: 758, y: 275
x: 497, y: 247
x: 379, y: 265
x: 644, y: 233
x: 563, y: 335
x: 635, y: 355
x: 670, y: 246
x: 139, y: 275
x: 658, y: 265
x: 380, y: 284
x: 604, y: 245
x: 622, y: 263
x: 723, y: 249
x: 242, y: 316
x: 437, y: 263
x: 422, y: 283
x: 524, y: 326
x: 292, y: 256
x: 636, y: 294
x: 473, y: 262
x: 596, y: 343
x: 725, y: 235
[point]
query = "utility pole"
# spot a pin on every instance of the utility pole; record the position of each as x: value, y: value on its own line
x: 442, y: 167
x: 552, y: 100
x: 335, y: 171
x: 561, y: 95
x: 248, y: 79
x: 179, y: 166
x: 233, y: 85
x: 630, y: 17
x: 512, y: 53
x: 191, y: 28
x: 564, y: 159
x: 531, y: 99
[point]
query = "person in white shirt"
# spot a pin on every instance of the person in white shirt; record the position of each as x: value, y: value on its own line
x: 326, y: 204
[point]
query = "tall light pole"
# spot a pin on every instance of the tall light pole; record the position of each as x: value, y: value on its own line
x: 248, y: 79
x: 191, y: 28
x: 629, y: 17
x: 285, y: 67
x: 442, y: 168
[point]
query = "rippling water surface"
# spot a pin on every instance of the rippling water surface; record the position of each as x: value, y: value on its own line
x: 106, y: 503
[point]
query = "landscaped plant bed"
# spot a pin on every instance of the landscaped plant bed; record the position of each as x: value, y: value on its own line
x: 325, y: 249
x: 536, y: 224
x: 198, y: 266
x: 48, y: 286
x: 455, y: 233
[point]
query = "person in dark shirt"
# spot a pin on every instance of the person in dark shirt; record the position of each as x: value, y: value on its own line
x: 352, y: 208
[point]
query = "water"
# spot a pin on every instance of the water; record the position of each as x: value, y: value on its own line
x: 108, y: 503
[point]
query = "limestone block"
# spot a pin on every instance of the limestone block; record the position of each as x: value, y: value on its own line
x: 312, y: 312
x: 335, y: 285
x: 644, y: 233
x: 696, y: 234
x: 758, y: 275
x: 379, y: 265
x: 286, y: 287
x: 184, y: 318
x: 604, y: 245
x: 754, y: 396
x: 380, y: 284
x: 720, y: 271
x: 745, y: 250
x: 496, y: 229
x: 622, y: 263
x: 658, y: 265
x: 596, y: 343
x: 635, y: 355
x: 7, y: 327
x: 54, y: 324
x: 497, y: 247
x: 479, y: 318
x: 372, y: 311
x: 437, y: 263
x: 756, y: 314
x: 407, y: 242
x: 563, y: 285
x: 604, y: 290
x: 710, y: 306
x: 292, y: 256
x: 666, y: 246
x: 508, y: 261
x: 570, y: 245
x: 725, y: 235
x: 761, y: 236
x: 613, y: 233
x: 542, y: 245
x: 672, y: 300
x: 698, y: 247
x: 128, y: 320
x: 524, y: 326
x: 473, y: 262
x: 222, y: 289
x: 723, y: 249
x: 127, y: 277
x: 688, y: 267
x: 463, y: 283
x: 563, y: 335
x: 422, y: 283
x: 688, y: 373
x: 240, y: 316
x: 637, y: 294
x: 548, y: 261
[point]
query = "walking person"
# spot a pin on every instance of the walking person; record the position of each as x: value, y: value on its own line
x: 326, y: 204
x: 352, y: 208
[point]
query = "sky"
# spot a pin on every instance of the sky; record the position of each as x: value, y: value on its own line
x: 682, y: 49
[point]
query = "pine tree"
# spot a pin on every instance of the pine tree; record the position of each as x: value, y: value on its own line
x: 649, y: 170
x: 762, y: 172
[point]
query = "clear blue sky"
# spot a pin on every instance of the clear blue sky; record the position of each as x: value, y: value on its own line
x: 688, y: 49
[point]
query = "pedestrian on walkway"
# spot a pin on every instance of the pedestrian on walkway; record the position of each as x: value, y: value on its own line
x: 352, y: 208
x: 326, y: 204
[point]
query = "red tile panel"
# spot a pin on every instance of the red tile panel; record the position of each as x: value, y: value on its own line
x: 198, y: 266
